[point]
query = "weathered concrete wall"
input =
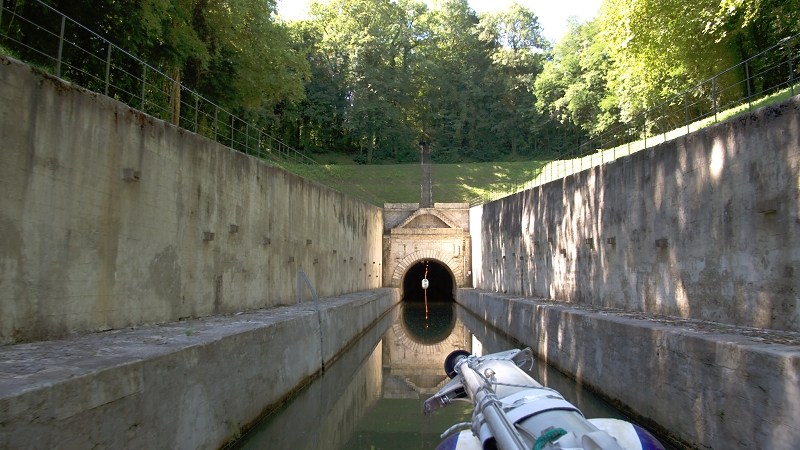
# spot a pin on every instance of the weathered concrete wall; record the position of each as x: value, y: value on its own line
x: 334, y: 405
x: 705, y: 226
x: 700, y: 384
x: 84, y: 246
x: 188, y: 385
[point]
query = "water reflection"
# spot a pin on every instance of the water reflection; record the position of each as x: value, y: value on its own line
x: 371, y: 398
x: 430, y: 323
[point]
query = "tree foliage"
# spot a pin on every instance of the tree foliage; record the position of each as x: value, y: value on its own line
x: 573, y: 87
x: 377, y: 78
x: 661, y: 47
x: 233, y: 52
x: 445, y: 77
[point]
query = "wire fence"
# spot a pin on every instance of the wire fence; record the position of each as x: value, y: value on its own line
x: 762, y: 79
x: 52, y: 42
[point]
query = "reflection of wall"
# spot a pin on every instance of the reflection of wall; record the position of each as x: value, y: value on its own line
x: 326, y: 413
x: 704, y: 226
x: 491, y: 341
x: 361, y: 394
x: 411, y: 369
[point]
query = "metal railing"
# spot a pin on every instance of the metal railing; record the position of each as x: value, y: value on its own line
x: 52, y: 42
x: 738, y: 89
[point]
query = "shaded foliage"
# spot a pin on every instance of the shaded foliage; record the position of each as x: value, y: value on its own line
x: 375, y: 79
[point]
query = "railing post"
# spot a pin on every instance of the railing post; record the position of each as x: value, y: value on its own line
x: 645, y: 132
x: 791, y: 68
x: 232, y: 123
x: 572, y: 165
x: 714, y: 96
x: 247, y: 138
x: 614, y: 149
x: 60, y: 45
x: 144, y: 83
x: 216, y: 122
x: 747, y: 81
x: 108, y: 67
x: 196, y: 111
x: 686, y: 111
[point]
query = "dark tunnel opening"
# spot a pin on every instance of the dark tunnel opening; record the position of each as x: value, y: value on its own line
x: 440, y: 283
x: 428, y: 315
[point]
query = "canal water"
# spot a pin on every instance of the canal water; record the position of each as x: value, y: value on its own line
x: 371, y: 397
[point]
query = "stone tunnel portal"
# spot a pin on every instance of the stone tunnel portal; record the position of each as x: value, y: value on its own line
x: 440, y: 282
x: 428, y: 315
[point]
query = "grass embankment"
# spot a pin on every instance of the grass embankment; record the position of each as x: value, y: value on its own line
x: 401, y: 183
x: 455, y: 183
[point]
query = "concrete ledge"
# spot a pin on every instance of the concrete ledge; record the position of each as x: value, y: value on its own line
x: 335, y: 403
x: 705, y: 385
x: 184, y: 385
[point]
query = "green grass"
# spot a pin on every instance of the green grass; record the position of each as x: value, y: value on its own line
x: 626, y: 149
x: 457, y: 183
x: 5, y: 51
x: 400, y: 183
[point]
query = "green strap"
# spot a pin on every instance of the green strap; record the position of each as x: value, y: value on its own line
x: 547, y: 437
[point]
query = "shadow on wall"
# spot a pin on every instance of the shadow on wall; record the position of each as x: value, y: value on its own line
x: 704, y: 226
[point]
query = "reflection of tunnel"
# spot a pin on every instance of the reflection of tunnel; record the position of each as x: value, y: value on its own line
x: 428, y: 315
x: 431, y: 325
x: 440, y: 282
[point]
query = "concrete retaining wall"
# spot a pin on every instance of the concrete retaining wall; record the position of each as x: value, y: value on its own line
x: 334, y: 405
x: 705, y: 226
x: 186, y: 385
x: 111, y: 218
x: 700, y: 384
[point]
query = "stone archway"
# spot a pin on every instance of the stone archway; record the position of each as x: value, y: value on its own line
x: 403, y: 266
x: 413, y: 234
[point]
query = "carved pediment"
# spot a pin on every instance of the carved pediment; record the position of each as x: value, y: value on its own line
x: 427, y: 221
x: 428, y: 218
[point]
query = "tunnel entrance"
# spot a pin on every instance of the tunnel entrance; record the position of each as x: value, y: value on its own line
x: 414, y: 235
x: 428, y: 315
x: 440, y: 283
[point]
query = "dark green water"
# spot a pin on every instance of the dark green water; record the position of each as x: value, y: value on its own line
x: 371, y: 397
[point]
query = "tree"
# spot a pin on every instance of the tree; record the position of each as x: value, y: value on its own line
x: 456, y: 85
x: 252, y: 63
x: 573, y: 88
x: 661, y: 47
x: 233, y: 52
x: 517, y: 53
x: 367, y: 44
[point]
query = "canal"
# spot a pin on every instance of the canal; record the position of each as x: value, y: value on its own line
x: 371, y: 397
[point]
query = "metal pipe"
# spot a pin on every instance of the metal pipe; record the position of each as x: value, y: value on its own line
x: 514, y: 412
x: 486, y: 402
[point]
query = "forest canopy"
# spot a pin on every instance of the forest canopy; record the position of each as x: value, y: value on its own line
x: 375, y: 79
